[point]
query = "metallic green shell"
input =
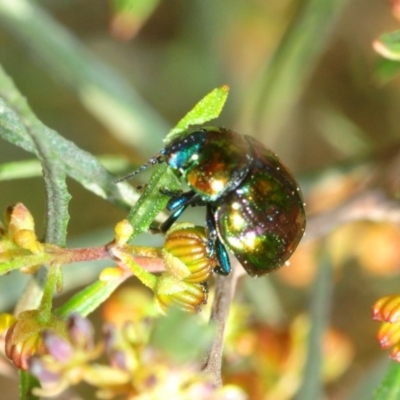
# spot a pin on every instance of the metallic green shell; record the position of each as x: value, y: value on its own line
x: 263, y: 220
x: 221, y: 164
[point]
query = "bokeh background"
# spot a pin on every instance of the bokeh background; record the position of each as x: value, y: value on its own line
x: 304, y: 79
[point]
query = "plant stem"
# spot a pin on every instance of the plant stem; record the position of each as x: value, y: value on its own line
x: 128, y: 261
x: 225, y: 287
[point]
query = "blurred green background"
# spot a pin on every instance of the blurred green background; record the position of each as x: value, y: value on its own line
x: 303, y: 79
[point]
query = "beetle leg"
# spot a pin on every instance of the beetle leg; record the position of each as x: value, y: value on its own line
x: 224, y: 265
x: 214, y: 244
x: 154, y: 229
x: 170, y: 193
x: 212, y: 231
x: 177, y: 205
x: 198, y: 202
x: 179, y: 200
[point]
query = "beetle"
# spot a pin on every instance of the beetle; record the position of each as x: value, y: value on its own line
x: 254, y: 206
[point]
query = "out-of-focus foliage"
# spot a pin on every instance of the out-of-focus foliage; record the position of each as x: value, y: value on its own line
x: 115, y: 76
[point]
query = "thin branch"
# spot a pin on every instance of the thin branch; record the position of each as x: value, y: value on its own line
x: 224, y: 290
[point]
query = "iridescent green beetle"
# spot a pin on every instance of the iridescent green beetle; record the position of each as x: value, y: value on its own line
x: 254, y: 205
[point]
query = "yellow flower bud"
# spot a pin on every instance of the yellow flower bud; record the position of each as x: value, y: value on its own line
x: 185, y: 253
x: 19, y: 217
x: 123, y: 231
x: 27, y: 240
x: 171, y: 291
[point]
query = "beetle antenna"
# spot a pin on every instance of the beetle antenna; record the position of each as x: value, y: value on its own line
x: 154, y: 160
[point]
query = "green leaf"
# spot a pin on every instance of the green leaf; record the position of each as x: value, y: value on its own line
x: 23, y: 261
x: 16, y: 119
x: 365, y: 385
x: 11, y: 127
x: 31, y: 168
x: 88, y: 299
x: 385, y: 70
x: 32, y: 129
x: 205, y: 110
x: 152, y: 201
x: 388, y: 45
x: 20, y: 170
x: 57, y: 197
x: 390, y: 386
x: 27, y: 383
x: 281, y: 83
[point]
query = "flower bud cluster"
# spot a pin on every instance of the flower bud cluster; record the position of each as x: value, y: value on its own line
x: 188, y: 266
x: 387, y: 310
x: 18, y: 238
x: 23, y: 338
x: 187, y: 263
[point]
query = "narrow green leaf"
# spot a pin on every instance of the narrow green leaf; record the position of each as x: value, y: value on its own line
x: 32, y: 168
x: 365, y: 385
x: 27, y: 382
x: 29, y: 260
x: 388, y: 45
x: 385, y: 70
x: 152, y: 202
x: 11, y: 127
x: 57, y: 197
x: 205, y: 110
x: 88, y: 299
x: 16, y: 117
x: 286, y: 73
x: 20, y: 170
x: 147, y: 278
x: 389, y: 389
x: 32, y: 130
